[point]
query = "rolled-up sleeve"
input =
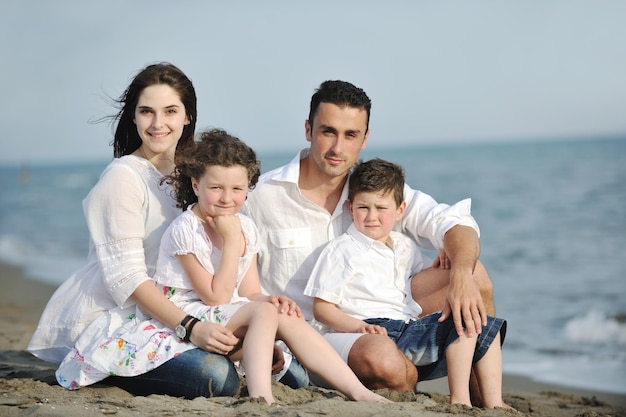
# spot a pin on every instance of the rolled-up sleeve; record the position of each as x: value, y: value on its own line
x: 115, y: 211
x: 427, y: 221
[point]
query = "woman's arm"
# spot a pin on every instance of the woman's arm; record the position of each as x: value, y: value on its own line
x: 207, y: 336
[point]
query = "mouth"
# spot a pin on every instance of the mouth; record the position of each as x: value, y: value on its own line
x: 158, y: 135
x: 333, y: 160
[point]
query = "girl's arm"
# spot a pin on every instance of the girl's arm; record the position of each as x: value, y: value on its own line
x: 218, y: 288
x: 251, y: 288
x: 330, y: 315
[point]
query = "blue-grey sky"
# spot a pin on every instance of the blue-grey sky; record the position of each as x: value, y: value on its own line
x: 436, y: 71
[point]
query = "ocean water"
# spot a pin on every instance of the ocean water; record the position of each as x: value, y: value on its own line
x: 553, y: 236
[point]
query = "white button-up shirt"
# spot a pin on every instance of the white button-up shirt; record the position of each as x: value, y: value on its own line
x: 365, y: 278
x: 294, y: 230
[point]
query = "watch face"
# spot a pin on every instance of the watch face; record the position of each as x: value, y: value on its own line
x: 181, y: 331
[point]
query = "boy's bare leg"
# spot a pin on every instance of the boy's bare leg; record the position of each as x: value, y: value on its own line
x: 459, y: 360
x: 489, y: 375
x: 430, y: 288
x: 378, y: 363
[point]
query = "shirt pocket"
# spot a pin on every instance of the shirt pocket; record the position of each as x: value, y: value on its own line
x: 289, y: 249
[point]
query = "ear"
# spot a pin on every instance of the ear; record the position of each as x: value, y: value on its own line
x: 401, y: 210
x: 187, y: 120
x: 307, y: 130
x: 194, y: 185
x: 367, y: 135
x: 350, y: 208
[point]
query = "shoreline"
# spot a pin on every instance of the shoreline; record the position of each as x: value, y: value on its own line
x: 25, y: 379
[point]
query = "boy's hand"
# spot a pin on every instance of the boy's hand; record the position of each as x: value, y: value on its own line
x: 373, y: 329
x: 441, y: 261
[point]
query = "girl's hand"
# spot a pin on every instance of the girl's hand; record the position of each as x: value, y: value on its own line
x: 285, y: 304
x: 213, y: 337
x: 228, y: 226
x: 373, y: 329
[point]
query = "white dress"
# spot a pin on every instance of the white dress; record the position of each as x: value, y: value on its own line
x: 127, y: 212
x: 139, y: 343
x: 187, y: 235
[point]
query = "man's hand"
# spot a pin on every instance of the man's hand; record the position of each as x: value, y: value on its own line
x: 278, y: 360
x: 465, y: 303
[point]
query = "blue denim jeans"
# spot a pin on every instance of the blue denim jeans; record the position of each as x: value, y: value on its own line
x: 197, y: 373
x: 424, y: 341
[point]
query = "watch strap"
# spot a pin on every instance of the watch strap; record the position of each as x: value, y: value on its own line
x: 186, y: 320
x: 194, y: 321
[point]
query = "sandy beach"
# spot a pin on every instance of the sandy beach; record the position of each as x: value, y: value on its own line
x: 28, y: 387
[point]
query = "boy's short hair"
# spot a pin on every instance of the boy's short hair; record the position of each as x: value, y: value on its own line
x: 377, y: 175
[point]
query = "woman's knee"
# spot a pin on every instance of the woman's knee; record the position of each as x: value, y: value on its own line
x: 217, y: 373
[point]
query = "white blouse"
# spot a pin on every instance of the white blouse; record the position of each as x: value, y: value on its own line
x: 127, y: 212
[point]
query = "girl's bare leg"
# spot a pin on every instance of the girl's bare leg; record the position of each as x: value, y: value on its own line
x: 489, y: 374
x: 314, y: 352
x: 459, y: 359
x: 256, y: 323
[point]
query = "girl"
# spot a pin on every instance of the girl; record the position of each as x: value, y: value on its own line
x: 207, y: 267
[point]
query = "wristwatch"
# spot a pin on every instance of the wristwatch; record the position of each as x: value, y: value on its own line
x: 193, y: 323
x: 181, y: 330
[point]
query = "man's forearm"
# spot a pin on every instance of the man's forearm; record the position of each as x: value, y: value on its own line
x: 462, y: 247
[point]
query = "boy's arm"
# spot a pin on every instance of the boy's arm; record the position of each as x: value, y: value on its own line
x: 330, y: 315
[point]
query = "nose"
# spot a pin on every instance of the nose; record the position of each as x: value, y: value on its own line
x: 225, y: 196
x: 337, y: 147
x: 158, y: 120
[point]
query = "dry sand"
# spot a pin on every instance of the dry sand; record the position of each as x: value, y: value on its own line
x: 28, y: 387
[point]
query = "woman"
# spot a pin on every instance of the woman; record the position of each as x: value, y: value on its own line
x: 127, y: 212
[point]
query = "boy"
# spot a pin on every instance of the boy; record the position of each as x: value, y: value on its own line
x: 361, y: 283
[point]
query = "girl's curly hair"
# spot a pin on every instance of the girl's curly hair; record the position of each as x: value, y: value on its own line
x: 214, y: 147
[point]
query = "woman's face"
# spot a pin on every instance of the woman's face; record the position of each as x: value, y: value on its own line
x: 160, y: 117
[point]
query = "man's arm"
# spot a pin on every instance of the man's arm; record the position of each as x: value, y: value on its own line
x: 463, y: 298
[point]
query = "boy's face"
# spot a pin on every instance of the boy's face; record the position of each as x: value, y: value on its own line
x: 375, y: 214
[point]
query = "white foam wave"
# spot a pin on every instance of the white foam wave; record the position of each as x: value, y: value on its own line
x: 595, y: 327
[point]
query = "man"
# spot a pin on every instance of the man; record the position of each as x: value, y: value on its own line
x: 301, y: 206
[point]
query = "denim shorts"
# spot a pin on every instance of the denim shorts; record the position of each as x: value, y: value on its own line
x: 424, y: 341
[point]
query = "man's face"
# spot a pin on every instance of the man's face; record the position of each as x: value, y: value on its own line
x: 337, y: 136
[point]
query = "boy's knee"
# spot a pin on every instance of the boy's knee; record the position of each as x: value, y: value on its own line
x: 379, y: 364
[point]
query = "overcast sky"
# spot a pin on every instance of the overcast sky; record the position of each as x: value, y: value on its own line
x: 436, y: 71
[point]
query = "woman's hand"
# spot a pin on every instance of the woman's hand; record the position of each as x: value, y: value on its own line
x: 285, y: 304
x: 213, y: 338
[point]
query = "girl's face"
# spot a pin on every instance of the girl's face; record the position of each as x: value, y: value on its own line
x: 221, y: 190
x: 375, y: 214
x: 160, y: 117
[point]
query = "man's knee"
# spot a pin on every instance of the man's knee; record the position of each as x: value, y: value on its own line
x: 378, y: 363
x: 485, y: 285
